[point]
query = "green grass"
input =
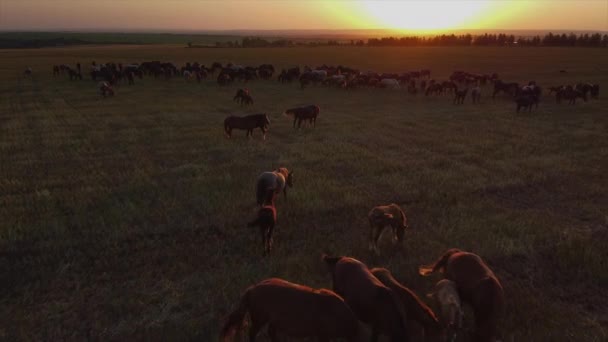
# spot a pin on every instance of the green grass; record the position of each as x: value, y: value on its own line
x: 125, y: 218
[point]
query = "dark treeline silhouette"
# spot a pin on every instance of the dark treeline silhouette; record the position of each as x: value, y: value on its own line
x: 550, y: 39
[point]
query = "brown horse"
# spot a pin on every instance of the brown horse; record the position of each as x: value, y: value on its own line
x: 243, y: 97
x: 460, y: 95
x: 294, y: 310
x: 371, y: 301
x: 300, y: 114
x: 386, y: 215
x: 477, y: 285
x: 248, y: 123
x: 421, y: 320
x: 266, y: 219
x: 277, y: 180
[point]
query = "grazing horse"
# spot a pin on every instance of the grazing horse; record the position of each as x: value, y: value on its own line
x: 106, y: 89
x: 507, y: 88
x: 570, y: 94
x: 372, y: 302
x: 293, y: 310
x: 526, y: 102
x: 477, y: 285
x: 300, y: 114
x: 460, y: 96
x: 386, y: 215
x: 421, y: 320
x: 277, y: 180
x: 249, y: 123
x: 446, y: 295
x: 243, y: 97
x: 266, y: 219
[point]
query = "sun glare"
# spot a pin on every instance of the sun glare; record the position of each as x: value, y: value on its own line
x: 425, y: 16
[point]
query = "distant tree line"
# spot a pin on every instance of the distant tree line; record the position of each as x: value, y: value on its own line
x: 550, y: 39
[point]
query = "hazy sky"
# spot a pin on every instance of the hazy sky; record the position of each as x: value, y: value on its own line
x: 291, y: 14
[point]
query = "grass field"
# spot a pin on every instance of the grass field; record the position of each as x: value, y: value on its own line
x: 125, y: 218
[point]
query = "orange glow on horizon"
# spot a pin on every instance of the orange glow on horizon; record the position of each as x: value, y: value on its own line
x: 415, y: 16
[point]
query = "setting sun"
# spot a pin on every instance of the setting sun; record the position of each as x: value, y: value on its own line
x: 425, y: 15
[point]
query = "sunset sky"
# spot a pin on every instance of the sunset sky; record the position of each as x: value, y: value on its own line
x: 417, y: 16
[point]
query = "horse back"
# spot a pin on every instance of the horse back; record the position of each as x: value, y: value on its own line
x: 467, y: 270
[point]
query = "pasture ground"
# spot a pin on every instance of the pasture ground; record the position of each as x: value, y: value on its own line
x: 125, y: 218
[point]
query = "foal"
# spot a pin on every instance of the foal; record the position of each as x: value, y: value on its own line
x: 446, y: 295
x: 386, y: 215
x: 476, y: 285
x: 266, y: 219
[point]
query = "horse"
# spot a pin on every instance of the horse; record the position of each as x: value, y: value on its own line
x: 249, y: 123
x: 386, y: 215
x: 446, y: 295
x: 570, y: 94
x: 526, y: 102
x: 243, y: 97
x: 476, y: 94
x: 460, y: 96
x: 266, y: 219
x: 508, y: 88
x: 293, y: 310
x: 371, y: 301
x: 106, y: 89
x: 476, y: 284
x: 433, y: 89
x: 421, y: 320
x: 277, y: 180
x: 300, y: 114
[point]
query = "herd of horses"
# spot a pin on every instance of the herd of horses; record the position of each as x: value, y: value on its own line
x: 360, y: 296
x: 365, y: 303
x: 459, y: 84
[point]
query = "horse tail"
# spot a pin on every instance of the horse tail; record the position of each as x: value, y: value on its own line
x: 236, y: 318
x: 439, y: 264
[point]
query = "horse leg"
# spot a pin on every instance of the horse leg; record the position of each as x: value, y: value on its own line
x: 294, y: 121
x: 377, y: 234
x: 263, y: 233
x: 269, y: 237
x: 256, y: 326
x: 375, y: 334
x: 272, y: 333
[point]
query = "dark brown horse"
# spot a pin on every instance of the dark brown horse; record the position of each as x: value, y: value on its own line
x: 265, y: 220
x: 507, y: 88
x: 243, y: 97
x: 460, y: 96
x: 477, y: 285
x: 248, y: 123
x: 421, y: 320
x: 293, y: 310
x: 371, y: 301
x: 300, y: 114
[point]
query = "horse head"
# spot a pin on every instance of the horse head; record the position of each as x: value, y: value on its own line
x: 266, y: 120
x: 290, y: 179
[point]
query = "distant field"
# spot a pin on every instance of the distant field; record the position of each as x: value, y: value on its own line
x: 125, y: 218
